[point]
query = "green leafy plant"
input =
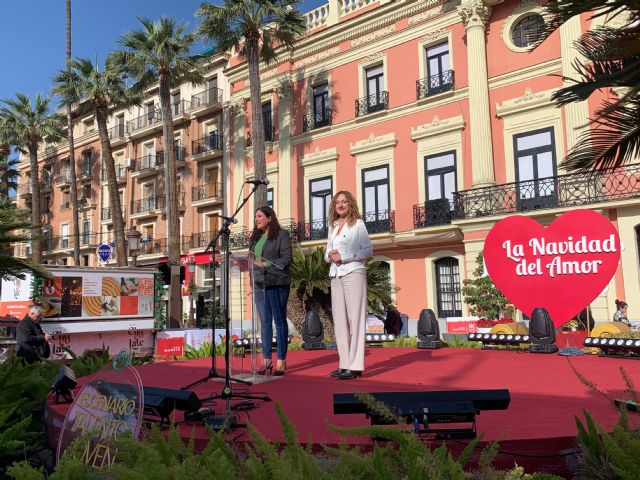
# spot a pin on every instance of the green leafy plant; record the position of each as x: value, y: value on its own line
x: 481, y: 294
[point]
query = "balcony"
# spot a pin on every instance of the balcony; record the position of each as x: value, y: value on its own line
x: 121, y: 174
x: 432, y: 213
x: 312, y: 231
x: 45, y: 184
x: 180, y: 109
x: 435, y: 84
x: 269, y: 134
x: 206, y: 148
x: 117, y: 133
x: 105, y: 214
x: 562, y: 191
x: 63, y: 180
x: 85, y: 170
x: 239, y: 240
x: 153, y: 246
x: 320, y: 119
x: 146, y: 207
x: 86, y: 203
x: 373, y: 103
x: 206, y: 101
x: 181, y: 155
x: 86, y: 240
x: 381, y: 221
x: 144, y: 124
x: 146, y: 165
x: 208, y: 194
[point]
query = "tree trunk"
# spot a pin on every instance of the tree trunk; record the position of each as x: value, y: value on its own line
x: 36, y: 242
x: 72, y: 162
x: 257, y: 125
x: 172, y: 198
x: 112, y: 185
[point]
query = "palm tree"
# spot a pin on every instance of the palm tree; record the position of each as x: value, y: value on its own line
x: 72, y: 161
x: 8, y: 176
x: 612, y: 60
x: 254, y: 28
x: 12, y: 221
x: 160, y: 53
x: 29, y: 124
x: 98, y: 90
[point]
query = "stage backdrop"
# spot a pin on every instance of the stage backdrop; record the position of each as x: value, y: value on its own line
x: 562, y: 267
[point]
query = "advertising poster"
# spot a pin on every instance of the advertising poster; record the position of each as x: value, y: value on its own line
x: 15, y: 296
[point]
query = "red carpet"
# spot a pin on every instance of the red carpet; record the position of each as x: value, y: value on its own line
x: 537, y: 431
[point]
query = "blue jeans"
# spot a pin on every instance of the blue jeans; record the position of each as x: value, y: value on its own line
x: 272, y: 308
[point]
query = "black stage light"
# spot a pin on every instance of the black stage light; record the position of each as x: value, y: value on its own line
x: 441, y: 414
x: 542, y: 332
x: 512, y: 341
x: 64, y: 382
x: 243, y: 345
x: 377, y: 339
x: 615, y: 347
x: 312, y: 332
x: 428, y: 330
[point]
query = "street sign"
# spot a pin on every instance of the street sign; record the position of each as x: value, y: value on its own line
x: 104, y: 252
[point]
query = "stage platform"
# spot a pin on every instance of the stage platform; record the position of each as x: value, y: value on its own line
x: 537, y: 431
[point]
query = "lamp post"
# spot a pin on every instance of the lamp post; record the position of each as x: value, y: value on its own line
x: 191, y: 265
x: 133, y: 243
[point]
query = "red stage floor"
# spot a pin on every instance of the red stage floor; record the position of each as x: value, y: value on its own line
x: 537, y: 431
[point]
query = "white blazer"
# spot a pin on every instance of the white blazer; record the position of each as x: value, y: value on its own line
x: 354, y: 246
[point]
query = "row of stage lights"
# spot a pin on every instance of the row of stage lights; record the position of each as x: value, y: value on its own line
x: 499, y: 338
x: 615, y: 347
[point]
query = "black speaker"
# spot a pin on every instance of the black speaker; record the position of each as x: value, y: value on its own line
x: 542, y: 332
x: 312, y: 332
x: 64, y: 382
x: 428, y: 330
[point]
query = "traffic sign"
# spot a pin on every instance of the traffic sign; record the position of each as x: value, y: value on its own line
x: 104, y: 252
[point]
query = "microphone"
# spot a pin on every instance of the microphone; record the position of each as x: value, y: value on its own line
x: 264, y: 181
x: 229, y: 219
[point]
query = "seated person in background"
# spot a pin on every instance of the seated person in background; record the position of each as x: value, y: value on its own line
x: 621, y: 312
x: 393, y: 322
x: 585, y: 319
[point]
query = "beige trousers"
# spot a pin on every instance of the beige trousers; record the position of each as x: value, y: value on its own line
x: 349, y: 308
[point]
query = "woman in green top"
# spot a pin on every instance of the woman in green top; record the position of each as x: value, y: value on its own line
x: 272, y: 279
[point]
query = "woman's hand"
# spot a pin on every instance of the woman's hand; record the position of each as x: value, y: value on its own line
x: 259, y: 264
x: 334, y: 256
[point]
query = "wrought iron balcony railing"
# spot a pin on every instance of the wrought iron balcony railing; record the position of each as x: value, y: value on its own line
x: 432, y: 213
x: 148, y: 204
x: 380, y: 221
x: 153, y: 246
x: 373, y: 103
x: 121, y: 172
x: 311, y: 121
x: 438, y: 83
x: 146, y: 162
x: 314, y: 230
x: 207, y: 143
x: 105, y: 214
x: 85, y: 240
x: 203, y: 192
x: 239, y: 239
x: 117, y: 131
x: 180, y: 155
x: 570, y: 190
x: 201, y: 239
x: 206, y: 98
x: 180, y: 107
x: 143, y: 121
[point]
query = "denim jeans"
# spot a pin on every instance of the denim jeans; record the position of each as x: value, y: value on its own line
x: 272, y: 308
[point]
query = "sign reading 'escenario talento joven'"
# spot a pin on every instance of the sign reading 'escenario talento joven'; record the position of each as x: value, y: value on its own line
x: 562, y: 267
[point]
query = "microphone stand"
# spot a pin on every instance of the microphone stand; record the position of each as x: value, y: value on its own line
x: 227, y: 420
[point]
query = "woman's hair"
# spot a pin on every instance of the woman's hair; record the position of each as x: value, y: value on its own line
x: 274, y: 226
x: 354, y: 213
x: 620, y: 304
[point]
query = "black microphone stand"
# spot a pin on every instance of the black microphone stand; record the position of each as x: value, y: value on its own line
x: 227, y: 392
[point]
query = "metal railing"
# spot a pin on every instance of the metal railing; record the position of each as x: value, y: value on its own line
x: 207, y: 143
x: 85, y: 168
x: 63, y: 177
x: 206, y: 98
x: 117, y: 131
x: 121, y: 172
x: 201, y: 239
x: 146, y: 162
x: 143, y: 121
x: 180, y: 107
x: 105, y: 214
x: 153, y: 246
x: 311, y: 121
x: 180, y: 155
x: 373, y: 103
x: 203, y: 192
x: 570, y: 190
x: 380, y: 221
x: 438, y: 83
x: 60, y: 242
x: 432, y: 212
x: 148, y: 204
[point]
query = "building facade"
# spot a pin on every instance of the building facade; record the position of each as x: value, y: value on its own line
x: 436, y: 114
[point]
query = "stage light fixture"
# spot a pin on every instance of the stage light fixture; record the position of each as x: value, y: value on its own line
x: 377, y: 339
x: 542, y: 332
x: 493, y: 340
x: 312, y: 332
x: 615, y: 347
x: 64, y: 382
x: 243, y: 345
x: 428, y: 330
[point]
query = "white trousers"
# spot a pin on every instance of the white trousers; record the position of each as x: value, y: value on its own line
x: 349, y: 308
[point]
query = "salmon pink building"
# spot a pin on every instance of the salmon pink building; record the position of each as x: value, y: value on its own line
x: 438, y: 116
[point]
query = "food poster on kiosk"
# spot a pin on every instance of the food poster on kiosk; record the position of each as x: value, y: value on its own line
x: 91, y: 295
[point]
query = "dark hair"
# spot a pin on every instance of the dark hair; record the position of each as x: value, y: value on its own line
x: 620, y: 304
x: 274, y: 226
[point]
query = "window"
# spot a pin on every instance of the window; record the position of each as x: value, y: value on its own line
x: 46, y: 204
x: 376, y: 100
x: 85, y: 193
x: 86, y: 232
x: 266, y: 120
x: 151, y: 112
x: 66, y: 200
x: 440, y: 183
x: 448, y: 287
x: 175, y: 103
x: 86, y: 163
x: 270, y: 197
x: 64, y: 235
x: 88, y: 126
x: 85, y: 260
x: 528, y: 31
x: 46, y: 239
x: 375, y: 192
x: 439, y: 73
x: 321, y: 109
x: 320, y: 193
x: 534, y: 154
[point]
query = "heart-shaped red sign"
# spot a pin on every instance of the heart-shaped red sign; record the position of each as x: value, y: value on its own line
x: 562, y: 267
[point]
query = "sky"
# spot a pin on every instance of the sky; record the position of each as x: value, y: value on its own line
x: 33, y: 34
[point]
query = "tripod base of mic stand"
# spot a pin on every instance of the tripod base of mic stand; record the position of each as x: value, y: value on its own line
x: 223, y: 423
x: 212, y: 374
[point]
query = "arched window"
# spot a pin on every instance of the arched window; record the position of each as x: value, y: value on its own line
x: 448, y: 287
x: 528, y: 31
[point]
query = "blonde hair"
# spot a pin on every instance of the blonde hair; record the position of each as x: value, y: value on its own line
x: 354, y: 213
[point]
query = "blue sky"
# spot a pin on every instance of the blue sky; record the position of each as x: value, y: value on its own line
x: 32, y: 36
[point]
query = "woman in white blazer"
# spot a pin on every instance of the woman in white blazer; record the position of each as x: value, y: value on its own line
x: 348, y: 248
